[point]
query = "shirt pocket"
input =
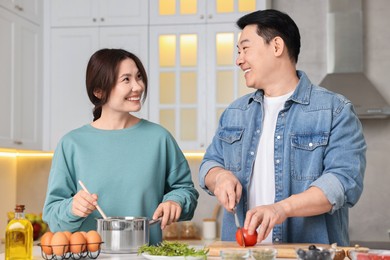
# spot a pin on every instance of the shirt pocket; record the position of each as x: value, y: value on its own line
x: 307, y: 155
x: 231, y: 138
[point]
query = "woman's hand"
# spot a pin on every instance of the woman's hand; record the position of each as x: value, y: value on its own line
x: 84, y: 203
x: 169, y: 211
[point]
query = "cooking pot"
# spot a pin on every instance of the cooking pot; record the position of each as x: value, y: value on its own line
x: 123, y: 235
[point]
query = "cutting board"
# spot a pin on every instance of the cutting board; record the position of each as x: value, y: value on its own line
x: 284, y: 250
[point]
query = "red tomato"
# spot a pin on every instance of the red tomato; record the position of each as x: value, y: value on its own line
x: 250, y: 240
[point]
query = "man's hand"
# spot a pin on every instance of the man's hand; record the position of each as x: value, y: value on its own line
x: 311, y: 202
x: 169, y: 211
x: 265, y: 217
x: 84, y: 203
x: 225, y: 186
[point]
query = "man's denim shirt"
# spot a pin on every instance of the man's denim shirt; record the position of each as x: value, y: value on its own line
x: 318, y: 142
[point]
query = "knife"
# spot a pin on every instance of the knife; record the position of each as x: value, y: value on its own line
x: 238, y: 225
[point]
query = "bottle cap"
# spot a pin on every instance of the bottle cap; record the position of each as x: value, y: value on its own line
x: 19, y: 208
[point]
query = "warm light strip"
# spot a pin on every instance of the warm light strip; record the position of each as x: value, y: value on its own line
x: 25, y: 154
x: 194, y: 154
x: 50, y: 154
x: 7, y: 154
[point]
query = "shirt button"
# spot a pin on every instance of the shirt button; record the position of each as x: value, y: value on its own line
x: 258, y: 131
x: 252, y: 153
x: 278, y: 137
x: 276, y: 239
x: 310, y: 144
x: 278, y: 161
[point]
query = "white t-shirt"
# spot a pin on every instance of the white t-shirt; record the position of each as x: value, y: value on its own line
x: 262, y: 185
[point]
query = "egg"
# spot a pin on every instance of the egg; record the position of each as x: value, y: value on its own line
x: 84, y: 234
x: 60, y: 243
x: 46, y: 243
x: 93, y: 241
x: 67, y: 234
x: 77, y: 243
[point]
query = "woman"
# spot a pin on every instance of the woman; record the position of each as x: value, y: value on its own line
x: 135, y: 166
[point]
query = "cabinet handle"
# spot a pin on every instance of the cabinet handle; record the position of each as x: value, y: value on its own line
x: 201, y: 16
x: 19, y: 8
x: 210, y: 16
x: 102, y: 19
x: 18, y: 142
x: 94, y: 20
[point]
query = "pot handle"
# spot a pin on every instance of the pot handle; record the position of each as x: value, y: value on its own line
x: 154, y: 221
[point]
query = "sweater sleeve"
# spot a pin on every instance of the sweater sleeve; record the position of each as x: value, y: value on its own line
x: 57, y: 211
x: 179, y: 186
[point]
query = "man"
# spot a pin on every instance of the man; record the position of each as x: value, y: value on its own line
x: 291, y: 155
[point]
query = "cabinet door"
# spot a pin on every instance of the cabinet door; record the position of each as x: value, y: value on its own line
x: 28, y: 78
x: 29, y: 9
x: 201, y: 11
x: 123, y: 12
x: 177, y: 80
x: 7, y: 64
x: 68, y: 103
x: 98, y: 13
x: 20, y: 102
x: 177, y: 11
x: 73, y: 12
x: 231, y: 10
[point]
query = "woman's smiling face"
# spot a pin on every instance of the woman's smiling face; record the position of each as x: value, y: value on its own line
x: 126, y: 95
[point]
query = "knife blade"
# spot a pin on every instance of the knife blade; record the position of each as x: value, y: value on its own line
x: 238, y: 225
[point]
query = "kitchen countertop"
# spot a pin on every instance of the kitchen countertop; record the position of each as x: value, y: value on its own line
x: 37, y: 252
x: 37, y: 256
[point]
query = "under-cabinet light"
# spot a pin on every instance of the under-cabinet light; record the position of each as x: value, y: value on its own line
x: 25, y: 153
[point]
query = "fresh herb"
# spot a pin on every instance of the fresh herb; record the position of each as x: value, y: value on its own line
x: 172, y: 248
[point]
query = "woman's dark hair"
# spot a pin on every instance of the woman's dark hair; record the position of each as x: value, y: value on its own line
x: 102, y: 75
x: 271, y: 23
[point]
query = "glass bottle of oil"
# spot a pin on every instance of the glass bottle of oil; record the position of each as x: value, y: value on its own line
x: 19, y: 237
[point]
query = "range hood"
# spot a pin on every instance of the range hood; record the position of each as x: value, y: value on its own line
x: 345, y: 60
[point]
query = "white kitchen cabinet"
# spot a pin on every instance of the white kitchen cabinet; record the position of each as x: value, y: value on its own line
x: 177, y: 66
x: 20, y: 86
x: 64, y: 13
x: 201, y: 11
x: 67, y: 102
x: 194, y: 76
x: 28, y: 9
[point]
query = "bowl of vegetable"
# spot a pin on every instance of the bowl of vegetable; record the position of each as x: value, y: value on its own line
x: 172, y: 250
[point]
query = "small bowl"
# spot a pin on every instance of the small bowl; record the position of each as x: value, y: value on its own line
x: 315, y: 253
x: 233, y: 254
x: 374, y: 254
x: 263, y: 253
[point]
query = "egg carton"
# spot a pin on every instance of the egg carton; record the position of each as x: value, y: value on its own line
x: 69, y: 255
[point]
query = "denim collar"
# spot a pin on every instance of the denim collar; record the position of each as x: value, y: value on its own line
x: 301, y: 94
